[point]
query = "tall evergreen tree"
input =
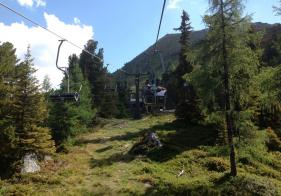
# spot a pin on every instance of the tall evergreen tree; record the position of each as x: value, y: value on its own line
x: 277, y: 9
x: 93, y: 70
x: 188, y: 102
x: 30, y: 111
x: 109, y: 101
x: 8, y: 62
x: 272, y: 48
x: 66, y: 119
x: 232, y: 61
x: 123, y: 97
x: 46, y: 84
x: 84, y: 109
x: 103, y: 98
x: 270, y: 97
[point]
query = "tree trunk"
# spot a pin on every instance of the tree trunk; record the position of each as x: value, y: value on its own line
x: 228, y: 113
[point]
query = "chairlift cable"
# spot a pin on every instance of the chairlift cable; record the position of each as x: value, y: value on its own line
x: 160, y: 24
x: 156, y: 42
x: 50, y: 31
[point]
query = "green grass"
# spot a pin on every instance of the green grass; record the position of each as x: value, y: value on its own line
x: 98, y: 163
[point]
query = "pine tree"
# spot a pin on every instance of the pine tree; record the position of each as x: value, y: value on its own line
x: 223, y: 33
x: 277, y: 9
x: 272, y: 50
x: 46, y: 84
x: 30, y: 111
x: 270, y: 97
x: 84, y: 109
x: 68, y: 118
x: 230, y: 61
x: 188, y: 102
x: 8, y: 62
x: 93, y: 70
x: 103, y: 98
x: 123, y: 97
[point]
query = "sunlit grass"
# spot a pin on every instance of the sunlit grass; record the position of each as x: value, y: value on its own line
x: 98, y: 163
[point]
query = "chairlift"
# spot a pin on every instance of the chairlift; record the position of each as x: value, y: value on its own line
x: 65, y: 96
x: 155, y: 97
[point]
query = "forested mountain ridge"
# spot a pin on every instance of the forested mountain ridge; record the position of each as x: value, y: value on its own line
x: 169, y: 48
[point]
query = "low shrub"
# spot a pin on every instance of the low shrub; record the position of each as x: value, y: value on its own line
x: 249, y: 185
x: 217, y: 164
x: 274, y: 142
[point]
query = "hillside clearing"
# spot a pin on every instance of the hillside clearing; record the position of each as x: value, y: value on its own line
x: 99, y: 164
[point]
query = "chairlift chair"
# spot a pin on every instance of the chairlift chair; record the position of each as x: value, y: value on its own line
x: 65, y: 96
x: 153, y: 101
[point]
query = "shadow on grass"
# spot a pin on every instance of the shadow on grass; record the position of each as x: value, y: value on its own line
x: 104, y: 149
x: 176, y: 138
x: 172, y: 189
x: 126, y: 137
x: 115, y: 158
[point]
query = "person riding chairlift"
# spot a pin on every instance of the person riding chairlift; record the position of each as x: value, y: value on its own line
x: 160, y: 91
x: 148, y: 88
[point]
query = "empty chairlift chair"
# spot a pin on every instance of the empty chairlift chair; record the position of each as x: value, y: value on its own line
x: 65, y: 96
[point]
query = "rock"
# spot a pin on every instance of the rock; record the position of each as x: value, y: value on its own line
x: 30, y: 163
x: 149, y: 142
x: 127, y: 145
x: 147, y: 185
x: 48, y: 158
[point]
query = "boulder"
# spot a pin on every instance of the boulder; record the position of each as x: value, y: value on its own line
x: 149, y: 142
x: 30, y: 163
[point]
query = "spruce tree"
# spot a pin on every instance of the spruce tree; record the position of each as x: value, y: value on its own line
x: 123, y: 97
x: 188, y: 102
x: 94, y: 71
x: 277, y: 9
x: 270, y: 97
x: 8, y: 62
x: 230, y: 59
x: 223, y: 24
x: 46, y: 84
x: 84, y: 109
x: 30, y: 111
x: 68, y: 118
x: 272, y: 50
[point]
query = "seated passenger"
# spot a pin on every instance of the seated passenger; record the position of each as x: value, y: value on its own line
x: 161, y: 91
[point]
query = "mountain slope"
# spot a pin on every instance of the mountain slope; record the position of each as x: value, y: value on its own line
x: 169, y: 47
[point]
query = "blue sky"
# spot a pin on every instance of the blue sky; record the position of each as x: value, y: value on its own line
x: 123, y: 28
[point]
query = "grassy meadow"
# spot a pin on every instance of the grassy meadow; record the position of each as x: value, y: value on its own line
x: 189, y: 163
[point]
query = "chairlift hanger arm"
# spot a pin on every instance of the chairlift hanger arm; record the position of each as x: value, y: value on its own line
x: 63, y: 69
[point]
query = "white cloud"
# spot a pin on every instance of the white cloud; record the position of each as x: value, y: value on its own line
x: 40, y: 3
x: 76, y: 20
x: 173, y: 4
x: 31, y: 3
x: 44, y: 45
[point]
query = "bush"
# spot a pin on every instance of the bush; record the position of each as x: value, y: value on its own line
x: 274, y: 142
x: 247, y: 129
x: 217, y: 164
x: 217, y: 121
x: 249, y: 185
